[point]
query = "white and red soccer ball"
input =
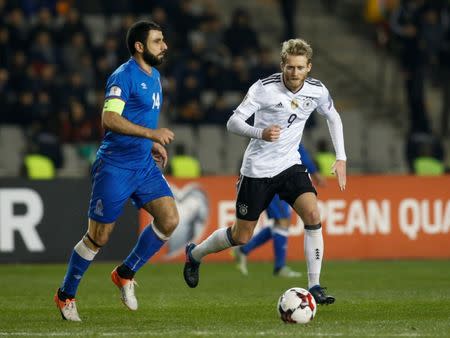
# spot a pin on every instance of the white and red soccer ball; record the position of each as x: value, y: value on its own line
x: 297, y: 306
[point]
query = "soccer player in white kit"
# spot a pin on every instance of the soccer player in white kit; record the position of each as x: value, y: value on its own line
x: 281, y: 103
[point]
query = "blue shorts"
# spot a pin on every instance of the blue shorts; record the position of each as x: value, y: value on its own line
x: 113, y: 186
x: 278, y: 208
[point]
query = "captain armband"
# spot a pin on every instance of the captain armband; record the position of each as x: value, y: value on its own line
x: 114, y: 104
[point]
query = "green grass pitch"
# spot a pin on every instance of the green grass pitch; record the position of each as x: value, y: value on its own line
x: 377, y: 298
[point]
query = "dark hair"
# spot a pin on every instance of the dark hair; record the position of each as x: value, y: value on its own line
x: 138, y: 32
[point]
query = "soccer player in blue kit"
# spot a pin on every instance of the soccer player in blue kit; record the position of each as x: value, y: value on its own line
x: 280, y: 211
x: 126, y: 168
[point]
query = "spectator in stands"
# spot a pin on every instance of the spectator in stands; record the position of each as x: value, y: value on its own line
x: 43, y: 50
x: 416, y: 142
x: 6, y: 51
x: 444, y: 63
x: 427, y: 165
x: 219, y: 112
x: 324, y: 158
x: 406, y: 25
x: 18, y: 28
x: 264, y: 66
x: 37, y: 166
x: 240, y: 37
x: 287, y: 9
x: 183, y: 165
x: 238, y: 77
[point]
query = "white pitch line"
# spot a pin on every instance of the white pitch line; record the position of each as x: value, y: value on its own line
x: 196, y: 333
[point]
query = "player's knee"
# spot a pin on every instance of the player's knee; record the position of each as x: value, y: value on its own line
x: 169, y: 224
x: 242, y: 238
x: 97, y: 240
x: 312, y: 217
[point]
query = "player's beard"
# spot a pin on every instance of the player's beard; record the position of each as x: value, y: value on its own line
x: 151, y: 59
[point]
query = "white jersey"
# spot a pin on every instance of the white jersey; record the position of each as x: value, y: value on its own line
x: 274, y: 104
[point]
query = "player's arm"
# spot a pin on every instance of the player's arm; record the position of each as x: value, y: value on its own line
x: 113, y: 120
x: 250, y: 105
x: 334, y: 122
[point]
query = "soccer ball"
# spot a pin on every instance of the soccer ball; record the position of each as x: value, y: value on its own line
x: 296, y: 306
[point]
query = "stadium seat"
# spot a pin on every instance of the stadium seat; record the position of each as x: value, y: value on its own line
x: 211, y: 148
x: 234, y: 152
x: 74, y: 165
x: 184, y: 134
x: 12, y: 147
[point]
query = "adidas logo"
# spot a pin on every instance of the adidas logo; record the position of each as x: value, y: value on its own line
x: 279, y: 105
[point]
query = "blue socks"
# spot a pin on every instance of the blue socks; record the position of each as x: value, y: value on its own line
x: 147, y: 245
x: 280, y: 237
x: 259, y: 239
x: 79, y: 262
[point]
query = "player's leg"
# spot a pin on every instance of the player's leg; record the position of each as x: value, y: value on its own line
x: 280, y: 234
x: 307, y: 208
x: 155, y: 196
x: 248, y: 209
x: 108, y: 182
x: 273, y: 211
x: 82, y: 255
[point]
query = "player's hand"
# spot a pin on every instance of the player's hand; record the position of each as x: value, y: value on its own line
x: 159, y: 154
x: 339, y: 169
x: 319, y: 180
x: 163, y: 136
x: 271, y: 133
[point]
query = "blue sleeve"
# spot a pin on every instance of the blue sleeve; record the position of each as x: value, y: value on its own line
x: 119, y: 85
x: 306, y: 159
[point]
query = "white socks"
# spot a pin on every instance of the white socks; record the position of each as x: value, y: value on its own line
x: 216, y: 242
x: 313, y: 255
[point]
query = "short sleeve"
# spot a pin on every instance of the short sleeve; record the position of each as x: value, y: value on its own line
x: 253, y: 101
x: 118, y: 86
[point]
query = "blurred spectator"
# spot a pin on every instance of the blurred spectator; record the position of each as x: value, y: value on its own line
x: 76, y: 126
x: 18, y: 29
x: 5, y: 48
x: 43, y: 50
x: 73, y: 24
x: 238, y: 78
x: 6, y: 96
x: 324, y: 158
x: 418, y: 143
x: 72, y: 50
x: 425, y: 164
x: 444, y: 58
x: 190, y: 111
x: 219, y: 112
x: 44, y: 23
x: 264, y: 66
x: 287, y: 9
x: 183, y: 165
x: 406, y: 25
x: 240, y: 37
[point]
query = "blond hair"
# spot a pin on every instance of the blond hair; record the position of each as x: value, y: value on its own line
x: 296, y: 47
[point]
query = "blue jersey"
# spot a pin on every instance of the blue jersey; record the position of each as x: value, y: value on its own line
x: 306, y: 159
x: 142, y: 94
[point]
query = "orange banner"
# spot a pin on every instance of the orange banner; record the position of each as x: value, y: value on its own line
x: 376, y: 217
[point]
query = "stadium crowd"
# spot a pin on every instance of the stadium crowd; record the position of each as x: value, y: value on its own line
x: 52, y: 70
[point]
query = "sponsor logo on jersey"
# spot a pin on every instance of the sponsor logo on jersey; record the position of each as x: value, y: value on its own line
x: 279, y: 105
x: 115, y: 91
x: 144, y: 85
